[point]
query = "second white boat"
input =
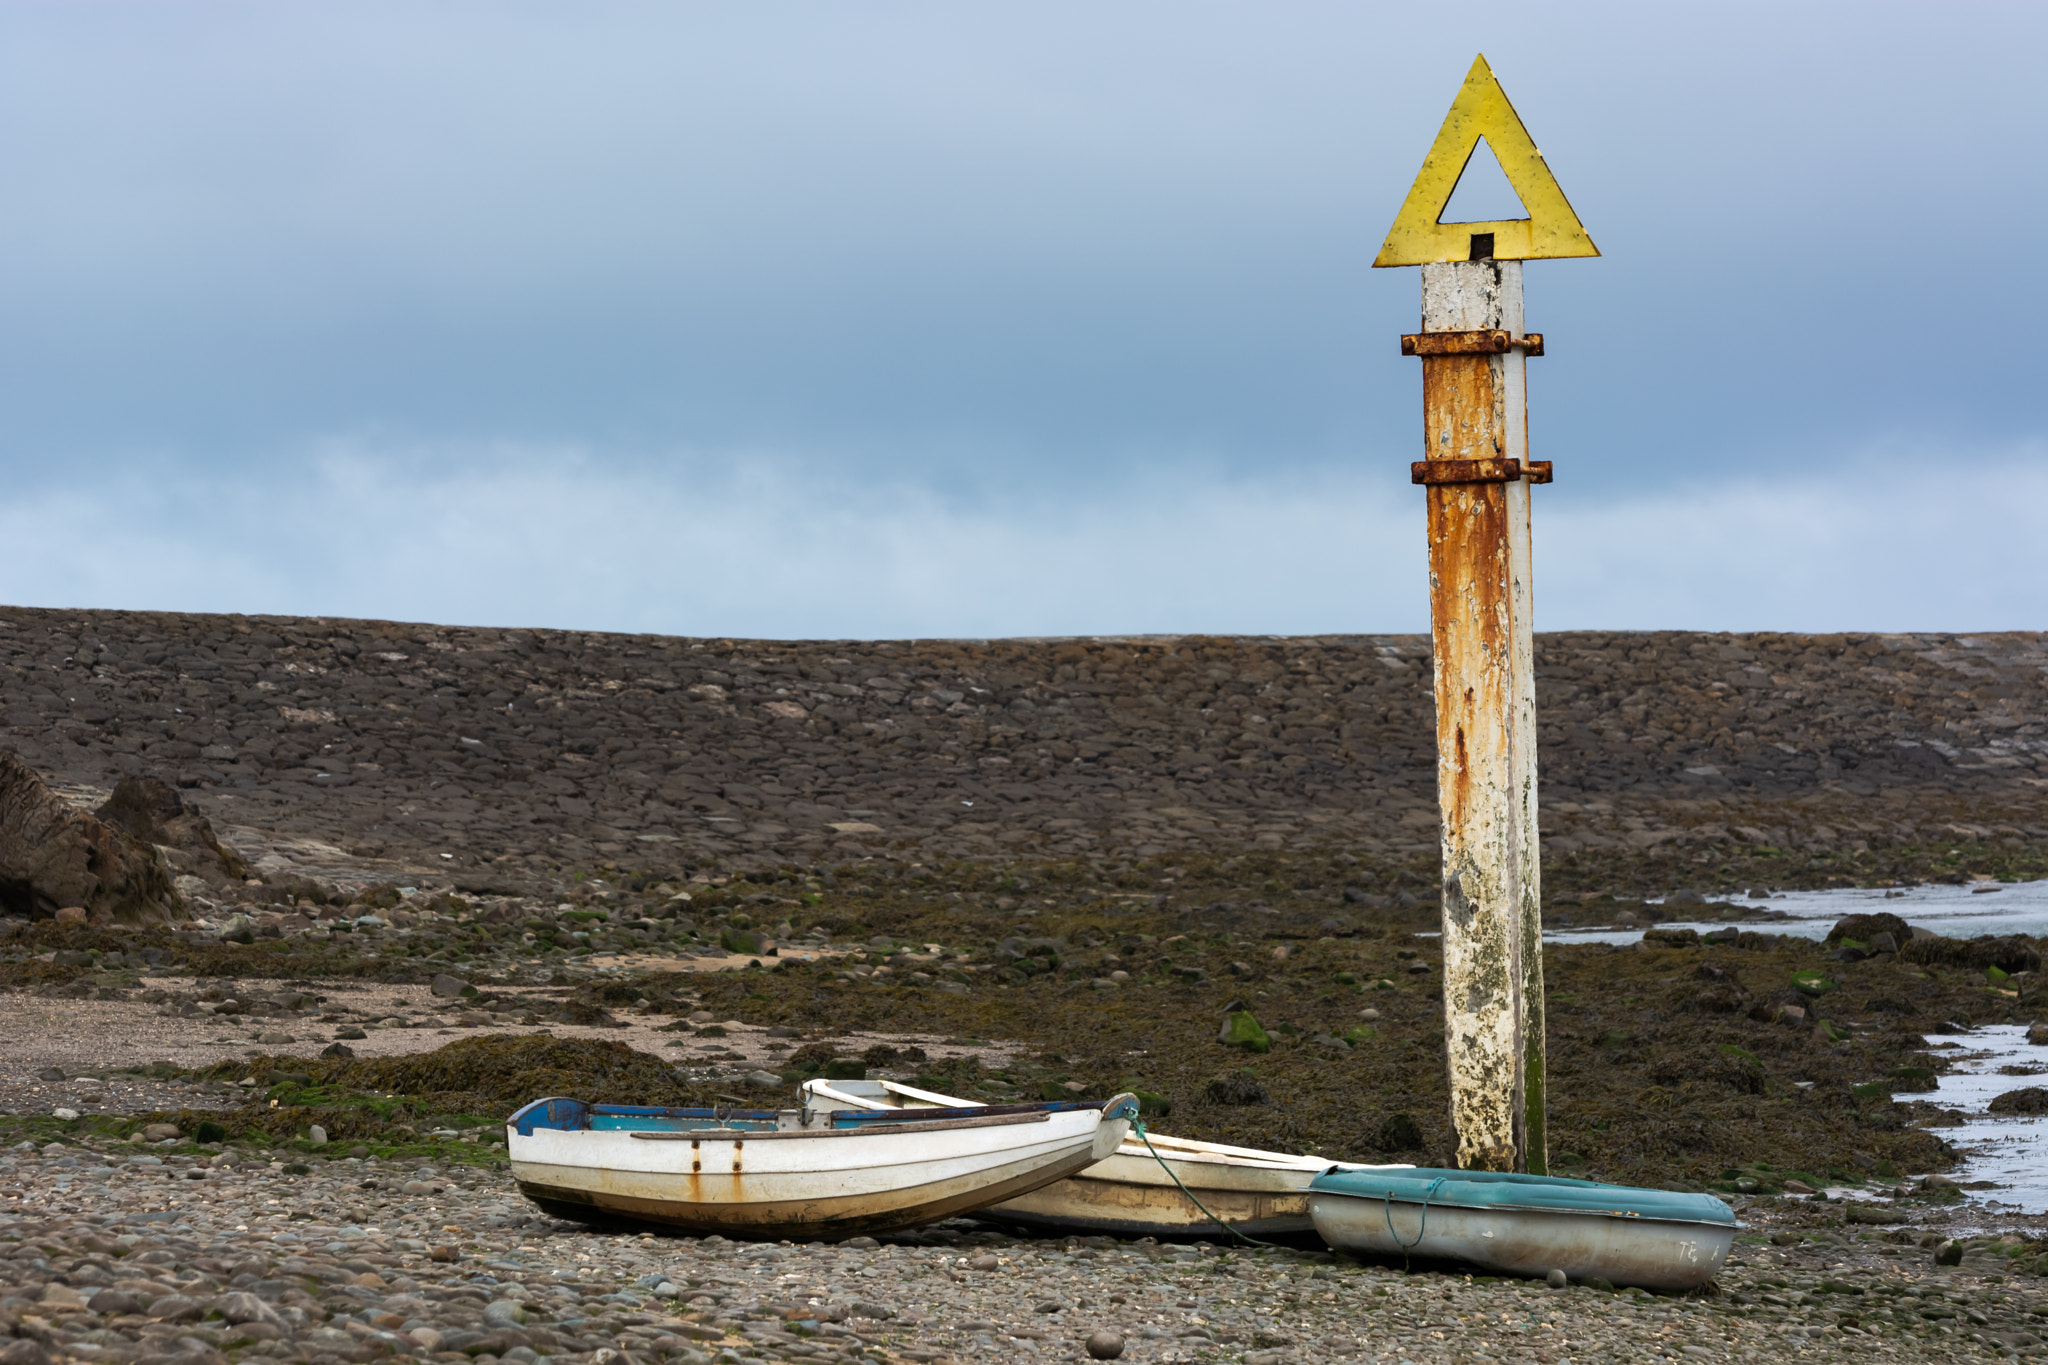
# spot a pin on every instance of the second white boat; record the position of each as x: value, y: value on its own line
x: 1135, y: 1190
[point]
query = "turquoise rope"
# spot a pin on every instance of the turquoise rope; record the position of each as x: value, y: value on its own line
x: 1139, y: 1128
x: 1421, y: 1231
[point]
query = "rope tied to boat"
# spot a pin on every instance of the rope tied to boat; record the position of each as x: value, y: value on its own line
x: 1422, y: 1229
x: 1139, y: 1128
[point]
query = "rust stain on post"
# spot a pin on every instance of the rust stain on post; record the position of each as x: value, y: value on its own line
x: 1475, y: 443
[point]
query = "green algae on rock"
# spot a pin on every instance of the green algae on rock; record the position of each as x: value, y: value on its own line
x: 1241, y: 1030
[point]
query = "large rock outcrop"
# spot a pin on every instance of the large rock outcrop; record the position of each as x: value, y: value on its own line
x: 151, y: 810
x: 53, y: 855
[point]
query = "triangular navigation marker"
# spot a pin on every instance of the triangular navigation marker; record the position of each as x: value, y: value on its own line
x: 1551, y: 230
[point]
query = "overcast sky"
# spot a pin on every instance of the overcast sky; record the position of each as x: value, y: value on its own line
x: 859, y: 319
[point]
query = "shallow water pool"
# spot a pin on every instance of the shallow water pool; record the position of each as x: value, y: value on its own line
x: 2008, y: 1149
x: 1951, y: 911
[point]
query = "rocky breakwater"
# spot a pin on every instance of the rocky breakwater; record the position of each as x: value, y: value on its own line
x: 532, y: 749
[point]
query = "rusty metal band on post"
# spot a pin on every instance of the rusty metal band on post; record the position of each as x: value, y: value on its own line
x: 1487, y: 341
x: 1478, y: 471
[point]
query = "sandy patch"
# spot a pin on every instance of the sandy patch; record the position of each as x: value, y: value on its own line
x: 81, y: 1036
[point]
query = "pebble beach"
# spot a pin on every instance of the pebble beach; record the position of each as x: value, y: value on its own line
x: 177, y: 1253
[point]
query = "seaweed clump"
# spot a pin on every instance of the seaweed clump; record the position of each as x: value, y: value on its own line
x: 505, y: 1071
x: 473, y: 1083
x: 2009, y: 953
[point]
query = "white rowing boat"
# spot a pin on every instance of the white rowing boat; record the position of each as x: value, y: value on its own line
x: 1135, y: 1190
x: 799, y: 1173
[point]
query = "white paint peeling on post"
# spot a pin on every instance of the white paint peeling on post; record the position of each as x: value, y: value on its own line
x: 1475, y: 408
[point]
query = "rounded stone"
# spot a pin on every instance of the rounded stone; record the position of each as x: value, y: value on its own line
x: 1105, y: 1344
x: 1556, y: 1279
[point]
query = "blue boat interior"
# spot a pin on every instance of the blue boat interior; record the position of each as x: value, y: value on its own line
x: 575, y: 1116
x: 1506, y: 1190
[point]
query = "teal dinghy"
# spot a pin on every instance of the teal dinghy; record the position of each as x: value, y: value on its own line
x: 1526, y: 1224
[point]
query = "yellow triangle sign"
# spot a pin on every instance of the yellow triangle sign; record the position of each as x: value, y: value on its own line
x: 1551, y: 229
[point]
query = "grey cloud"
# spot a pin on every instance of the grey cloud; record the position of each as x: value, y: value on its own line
x: 992, y: 256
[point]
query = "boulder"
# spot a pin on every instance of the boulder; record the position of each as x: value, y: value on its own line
x: 745, y: 942
x: 177, y: 1308
x: 1398, y: 1133
x: 1239, y: 1090
x: 241, y: 1306
x: 114, y: 1302
x: 1105, y: 1344
x: 449, y: 987
x: 2030, y: 1099
x: 1811, y: 983
x: 1876, y: 1215
x: 1865, y: 929
x: 151, y: 810
x: 54, y: 856
x: 1240, y: 1029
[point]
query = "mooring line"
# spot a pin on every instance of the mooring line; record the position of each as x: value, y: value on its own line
x: 1422, y: 1229
x: 1139, y: 1128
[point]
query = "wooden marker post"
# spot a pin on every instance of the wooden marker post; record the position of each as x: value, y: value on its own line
x: 1476, y: 473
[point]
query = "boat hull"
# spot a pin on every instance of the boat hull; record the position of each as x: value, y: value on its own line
x: 1627, y: 1251
x: 825, y: 1184
x: 1129, y: 1194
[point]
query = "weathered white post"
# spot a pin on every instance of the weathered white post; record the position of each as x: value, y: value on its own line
x: 1477, y: 473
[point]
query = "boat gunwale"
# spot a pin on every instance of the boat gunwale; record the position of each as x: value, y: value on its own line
x: 741, y: 1135
x: 567, y: 1114
x: 1436, y: 1203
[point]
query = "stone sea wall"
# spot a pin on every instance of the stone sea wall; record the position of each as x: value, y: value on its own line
x: 459, y: 747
